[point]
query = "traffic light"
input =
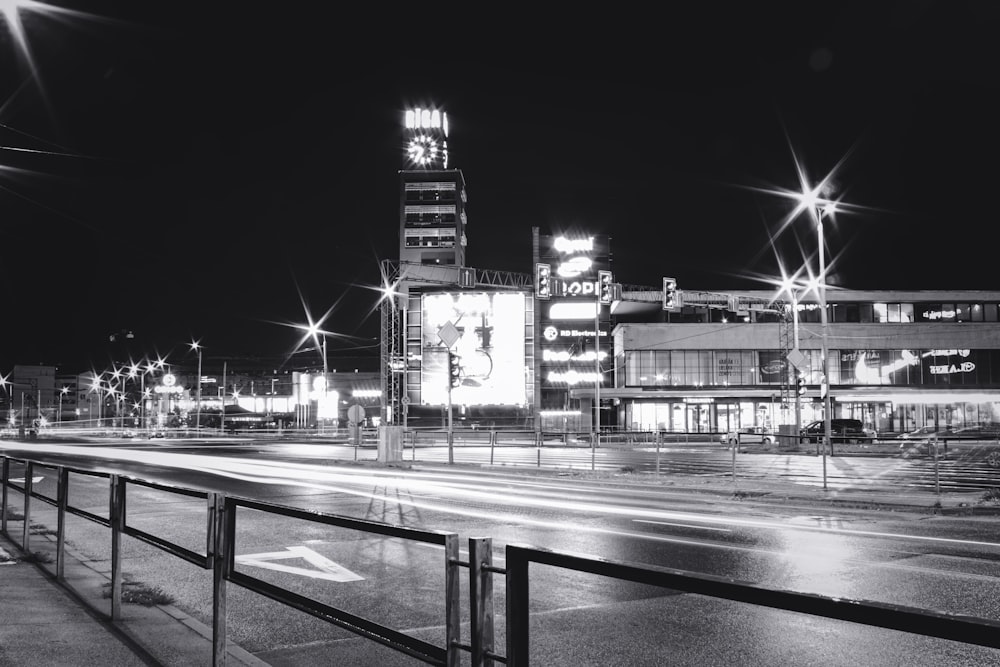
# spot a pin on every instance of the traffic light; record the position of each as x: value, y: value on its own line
x: 605, y: 288
x: 800, y: 383
x: 543, y: 281
x: 670, y: 294
x: 454, y: 370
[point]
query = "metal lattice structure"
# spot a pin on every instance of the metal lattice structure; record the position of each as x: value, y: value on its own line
x: 399, y: 277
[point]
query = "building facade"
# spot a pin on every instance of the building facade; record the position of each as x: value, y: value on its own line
x: 897, y: 361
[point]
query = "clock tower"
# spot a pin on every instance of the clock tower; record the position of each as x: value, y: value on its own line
x: 432, y: 195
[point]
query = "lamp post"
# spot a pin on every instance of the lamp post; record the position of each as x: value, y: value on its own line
x: 62, y: 392
x: 197, y: 420
x: 819, y: 207
x: 314, y: 331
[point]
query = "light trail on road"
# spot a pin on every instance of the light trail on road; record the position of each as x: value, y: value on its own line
x: 460, y: 487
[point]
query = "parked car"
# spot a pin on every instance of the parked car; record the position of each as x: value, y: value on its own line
x: 967, y: 451
x: 925, y: 432
x: 982, y: 431
x: 841, y: 430
x: 748, y: 435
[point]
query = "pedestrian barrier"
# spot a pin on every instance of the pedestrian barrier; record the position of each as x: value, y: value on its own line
x: 220, y: 557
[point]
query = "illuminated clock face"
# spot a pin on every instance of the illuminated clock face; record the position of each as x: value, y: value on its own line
x: 422, y: 151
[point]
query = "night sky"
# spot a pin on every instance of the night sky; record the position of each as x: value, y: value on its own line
x: 200, y: 174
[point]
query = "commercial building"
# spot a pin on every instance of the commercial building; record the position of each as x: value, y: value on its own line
x: 898, y: 360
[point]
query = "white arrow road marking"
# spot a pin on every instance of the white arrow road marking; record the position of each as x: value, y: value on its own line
x: 325, y: 568
x: 20, y: 480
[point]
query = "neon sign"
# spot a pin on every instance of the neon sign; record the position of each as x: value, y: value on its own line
x: 946, y: 369
x: 568, y: 246
x: 574, y: 377
x: 566, y: 355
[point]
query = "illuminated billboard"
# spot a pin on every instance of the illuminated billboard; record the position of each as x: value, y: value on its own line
x: 487, y: 334
x: 567, y: 320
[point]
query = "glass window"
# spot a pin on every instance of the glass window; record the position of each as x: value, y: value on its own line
x: 881, y: 312
x: 892, y: 312
x: 962, y: 312
x: 632, y: 369
x: 928, y: 312
x: 906, y: 312
x: 976, y: 314
x: 852, y: 312
x: 677, y: 367
x: 947, y: 312
x: 866, y: 312
x: 989, y: 312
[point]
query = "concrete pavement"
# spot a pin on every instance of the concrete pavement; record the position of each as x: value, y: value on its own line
x: 43, y: 622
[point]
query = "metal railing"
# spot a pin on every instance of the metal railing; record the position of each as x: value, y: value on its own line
x: 220, y: 557
x: 965, y: 629
x: 220, y: 554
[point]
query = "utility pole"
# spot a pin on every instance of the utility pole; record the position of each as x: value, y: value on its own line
x: 222, y: 414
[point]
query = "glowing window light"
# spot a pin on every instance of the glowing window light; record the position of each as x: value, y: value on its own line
x: 435, y: 118
x: 425, y: 118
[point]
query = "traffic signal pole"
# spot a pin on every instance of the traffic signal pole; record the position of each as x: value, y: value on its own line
x: 451, y: 438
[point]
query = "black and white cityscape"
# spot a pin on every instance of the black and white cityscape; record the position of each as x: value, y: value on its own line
x: 403, y: 336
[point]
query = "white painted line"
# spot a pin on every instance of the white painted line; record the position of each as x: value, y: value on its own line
x: 325, y: 568
x: 20, y: 480
x: 682, y: 525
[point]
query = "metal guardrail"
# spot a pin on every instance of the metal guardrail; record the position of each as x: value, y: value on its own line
x: 965, y: 629
x: 220, y: 554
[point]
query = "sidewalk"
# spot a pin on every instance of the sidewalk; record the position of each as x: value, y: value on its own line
x: 45, y: 623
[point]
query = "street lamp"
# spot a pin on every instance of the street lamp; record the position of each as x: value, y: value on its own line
x: 314, y: 331
x: 95, y: 386
x: 819, y: 207
x: 62, y: 392
x: 197, y: 420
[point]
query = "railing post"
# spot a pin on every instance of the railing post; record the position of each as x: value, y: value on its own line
x: 481, y: 600
x: 659, y: 438
x: 4, y: 478
x: 937, y: 474
x: 117, y: 514
x: 517, y: 608
x: 221, y: 548
x: 453, y: 602
x: 62, y: 496
x: 29, y: 471
x: 735, y: 446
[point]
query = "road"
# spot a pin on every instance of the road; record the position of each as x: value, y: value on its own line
x: 937, y: 562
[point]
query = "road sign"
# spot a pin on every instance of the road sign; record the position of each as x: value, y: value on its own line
x: 355, y: 414
x: 797, y: 359
x: 449, y: 334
